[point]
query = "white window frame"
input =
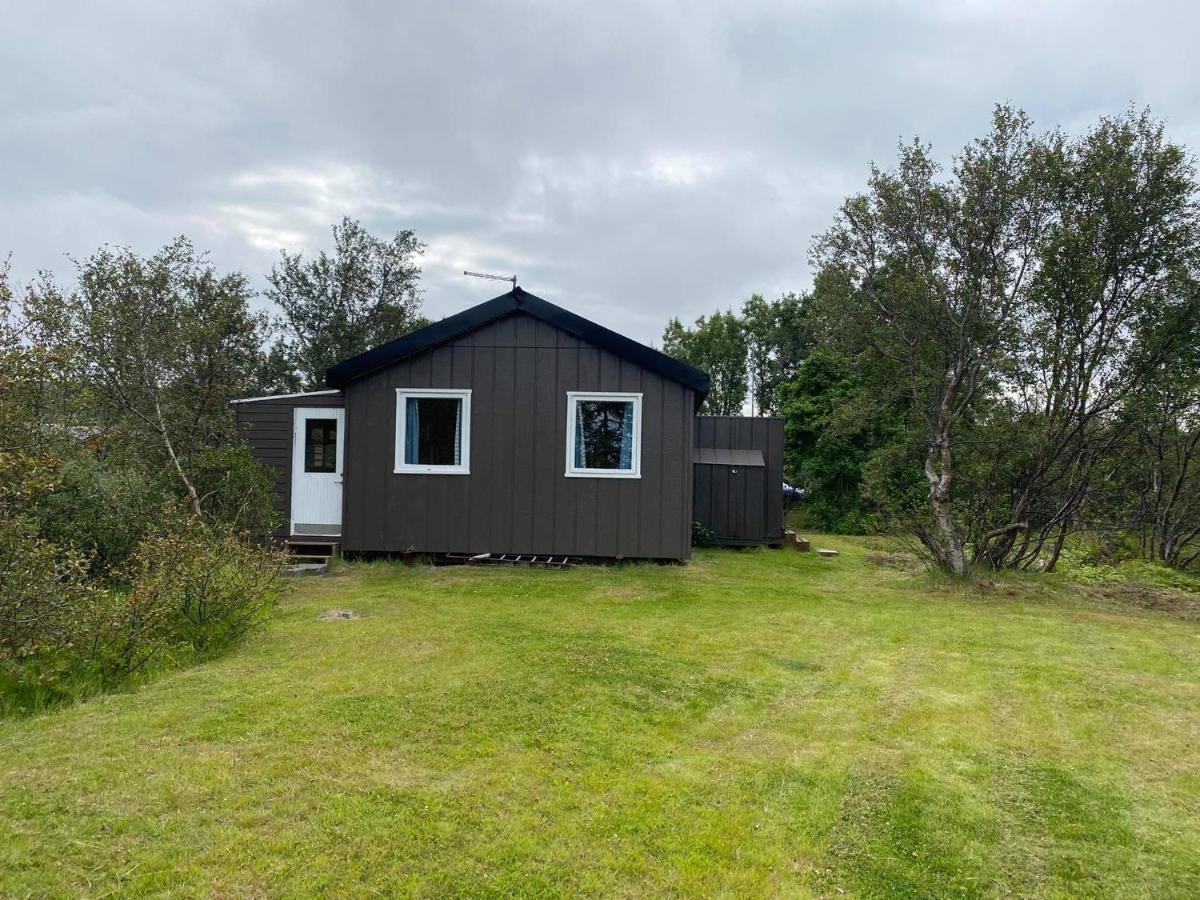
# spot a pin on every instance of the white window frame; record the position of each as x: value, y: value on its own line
x: 573, y: 471
x: 464, y: 449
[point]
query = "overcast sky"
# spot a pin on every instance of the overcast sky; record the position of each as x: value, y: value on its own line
x: 630, y: 161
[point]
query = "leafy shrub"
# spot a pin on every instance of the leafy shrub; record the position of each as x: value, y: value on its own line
x: 45, y: 600
x: 99, y: 509
x: 1094, y: 573
x: 62, y: 635
x: 702, y: 536
x: 187, y: 590
x: 833, y: 428
x: 798, y: 518
x: 214, y: 584
x: 236, y: 490
x: 1157, y: 574
x: 1094, y: 562
x: 103, y: 508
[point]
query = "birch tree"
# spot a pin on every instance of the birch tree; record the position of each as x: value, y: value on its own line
x: 936, y: 269
x: 716, y: 344
x: 336, y: 305
x: 1015, y: 308
x: 161, y: 345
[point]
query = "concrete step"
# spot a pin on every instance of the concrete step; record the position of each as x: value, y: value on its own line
x: 306, y: 568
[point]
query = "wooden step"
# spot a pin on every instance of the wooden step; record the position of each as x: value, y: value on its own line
x: 308, y: 550
x: 793, y: 540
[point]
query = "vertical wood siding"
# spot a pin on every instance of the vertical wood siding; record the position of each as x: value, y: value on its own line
x: 266, y: 426
x: 517, y: 498
x: 747, y: 507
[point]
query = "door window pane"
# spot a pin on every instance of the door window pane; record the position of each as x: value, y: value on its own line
x: 320, y: 445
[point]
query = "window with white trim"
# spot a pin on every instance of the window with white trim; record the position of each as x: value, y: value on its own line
x: 604, y: 435
x: 433, y: 431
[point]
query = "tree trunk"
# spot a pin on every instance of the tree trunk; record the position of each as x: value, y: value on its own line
x: 1063, y: 531
x: 939, y: 472
x: 187, y: 482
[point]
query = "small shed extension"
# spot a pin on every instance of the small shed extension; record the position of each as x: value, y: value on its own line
x: 738, y: 479
x: 269, y: 427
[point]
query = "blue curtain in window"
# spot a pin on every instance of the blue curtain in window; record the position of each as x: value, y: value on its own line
x: 412, y: 431
x: 458, y: 434
x: 627, y: 438
x: 579, y: 457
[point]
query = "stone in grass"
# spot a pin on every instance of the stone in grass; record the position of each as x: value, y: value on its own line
x: 334, y: 615
x: 827, y: 553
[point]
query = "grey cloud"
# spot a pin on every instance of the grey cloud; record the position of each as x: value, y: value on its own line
x: 630, y: 160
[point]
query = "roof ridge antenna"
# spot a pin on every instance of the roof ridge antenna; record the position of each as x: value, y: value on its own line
x: 512, y: 278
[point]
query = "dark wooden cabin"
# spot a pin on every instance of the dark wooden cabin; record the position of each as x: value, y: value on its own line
x: 513, y: 427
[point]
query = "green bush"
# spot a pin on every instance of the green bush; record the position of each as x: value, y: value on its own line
x: 236, y: 490
x: 833, y: 429
x: 188, y: 590
x: 45, y: 603
x: 703, y: 536
x: 1096, y: 562
x: 99, y: 509
x: 1159, y: 574
x: 214, y: 585
x: 103, y: 508
x: 819, y: 515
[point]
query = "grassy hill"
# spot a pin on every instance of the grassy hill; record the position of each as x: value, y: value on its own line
x: 758, y: 723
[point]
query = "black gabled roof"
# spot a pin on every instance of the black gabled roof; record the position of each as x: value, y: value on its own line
x: 517, y: 300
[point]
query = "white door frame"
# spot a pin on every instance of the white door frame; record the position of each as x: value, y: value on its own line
x: 300, y: 415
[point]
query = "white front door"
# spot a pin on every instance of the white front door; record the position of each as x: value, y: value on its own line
x: 318, y: 449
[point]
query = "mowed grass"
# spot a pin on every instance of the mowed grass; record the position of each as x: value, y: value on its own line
x: 754, y: 724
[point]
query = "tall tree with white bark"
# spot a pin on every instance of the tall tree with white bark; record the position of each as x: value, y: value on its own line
x: 159, y: 344
x: 1015, y: 308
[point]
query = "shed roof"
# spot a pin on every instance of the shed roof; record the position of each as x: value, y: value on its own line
x: 517, y: 300
x: 276, y: 397
x: 727, y: 456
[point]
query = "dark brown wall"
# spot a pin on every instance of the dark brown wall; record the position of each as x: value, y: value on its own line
x: 266, y: 426
x: 731, y: 502
x: 725, y: 502
x: 517, y: 498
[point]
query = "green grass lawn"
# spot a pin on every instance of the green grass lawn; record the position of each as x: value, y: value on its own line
x: 758, y: 723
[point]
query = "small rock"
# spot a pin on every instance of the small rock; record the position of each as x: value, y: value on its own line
x: 335, y: 614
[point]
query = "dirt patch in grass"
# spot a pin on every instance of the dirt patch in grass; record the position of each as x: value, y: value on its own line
x: 794, y: 665
x: 1131, y: 595
x: 335, y: 615
x: 1115, y: 597
x: 898, y: 561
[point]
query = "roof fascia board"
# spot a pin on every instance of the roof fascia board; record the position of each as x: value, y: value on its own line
x: 456, y: 326
x: 287, y: 396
